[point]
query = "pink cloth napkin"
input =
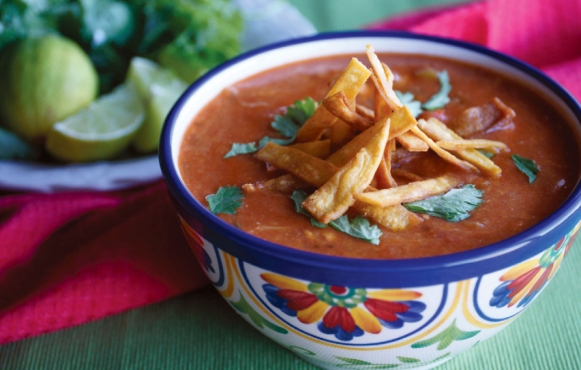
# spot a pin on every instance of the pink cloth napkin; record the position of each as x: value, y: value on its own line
x: 70, y: 258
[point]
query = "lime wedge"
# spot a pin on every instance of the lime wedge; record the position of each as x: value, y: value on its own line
x: 101, y: 131
x: 158, y: 88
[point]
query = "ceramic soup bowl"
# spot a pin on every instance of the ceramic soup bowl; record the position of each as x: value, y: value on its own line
x: 450, y: 302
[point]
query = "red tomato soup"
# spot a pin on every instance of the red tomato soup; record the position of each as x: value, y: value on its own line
x: 510, y: 203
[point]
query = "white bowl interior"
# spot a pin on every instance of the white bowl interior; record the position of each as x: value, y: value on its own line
x: 269, y: 59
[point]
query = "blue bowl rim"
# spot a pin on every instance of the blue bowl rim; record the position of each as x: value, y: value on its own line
x: 458, y: 266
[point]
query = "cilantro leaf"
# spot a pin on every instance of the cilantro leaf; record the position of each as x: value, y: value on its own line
x: 407, y: 99
x: 453, y: 206
x: 440, y: 99
x: 487, y: 153
x: 526, y: 166
x: 267, y: 139
x: 358, y: 228
x: 298, y: 198
x: 241, y: 148
x: 226, y: 200
x: 296, y: 115
x: 287, y: 125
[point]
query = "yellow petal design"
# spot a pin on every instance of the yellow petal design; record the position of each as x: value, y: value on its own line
x: 394, y: 295
x: 366, y: 321
x: 518, y: 270
x: 283, y: 282
x: 313, y: 313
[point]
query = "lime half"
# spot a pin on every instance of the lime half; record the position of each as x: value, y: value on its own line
x: 159, y: 89
x: 101, y: 131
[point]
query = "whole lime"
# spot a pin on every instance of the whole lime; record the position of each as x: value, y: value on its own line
x: 45, y: 79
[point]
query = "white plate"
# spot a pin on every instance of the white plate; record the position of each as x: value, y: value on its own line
x: 103, y: 176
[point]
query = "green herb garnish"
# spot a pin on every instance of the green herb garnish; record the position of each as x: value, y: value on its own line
x: 440, y: 99
x: 358, y: 227
x: 226, y: 200
x: 453, y: 206
x: 526, y: 166
x: 241, y: 148
x: 487, y: 153
x: 296, y: 115
x: 407, y: 99
x: 287, y: 126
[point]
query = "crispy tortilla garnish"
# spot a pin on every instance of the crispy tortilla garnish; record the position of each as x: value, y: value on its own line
x: 331, y: 200
x: 304, y: 166
x: 350, y: 82
x: 383, y: 176
x: 439, y: 131
x: 285, y: 184
x: 405, y: 174
x: 400, y: 122
x: 348, y: 151
x: 412, y: 142
x: 383, y: 79
x: 441, y: 152
x: 408, y: 193
x: 339, y: 106
x: 460, y: 144
x: 319, y: 149
x: 340, y: 134
x: 365, y: 112
x: 393, y: 218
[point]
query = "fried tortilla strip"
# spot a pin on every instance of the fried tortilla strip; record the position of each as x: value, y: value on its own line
x: 395, y: 217
x: 319, y: 148
x: 339, y: 106
x: 405, y: 174
x: 340, y: 157
x: 380, y: 107
x: 332, y: 199
x: 383, y: 176
x: 302, y: 165
x: 437, y: 130
x: 412, y: 142
x: 383, y: 79
x: 408, y: 193
x: 400, y: 122
x: 316, y: 125
x: 340, y: 134
x: 286, y: 184
x: 392, y: 218
x: 365, y: 112
x: 350, y: 82
x: 447, y: 156
x: 460, y: 144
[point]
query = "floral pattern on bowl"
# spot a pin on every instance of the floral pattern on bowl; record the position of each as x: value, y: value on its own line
x: 328, y: 324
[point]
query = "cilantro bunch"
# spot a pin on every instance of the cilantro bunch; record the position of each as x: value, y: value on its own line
x: 187, y: 36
